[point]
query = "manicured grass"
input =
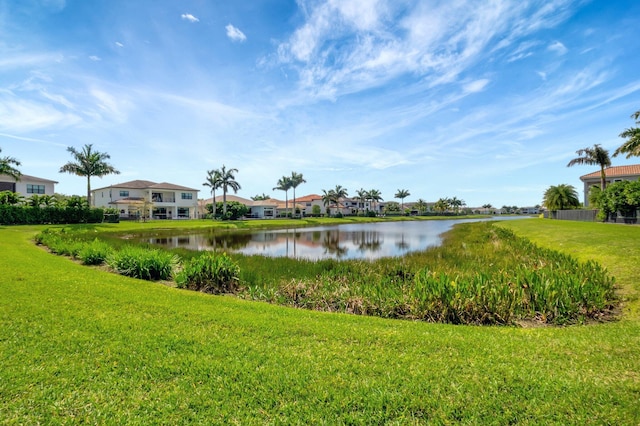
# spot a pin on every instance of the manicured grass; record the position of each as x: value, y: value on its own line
x: 81, y: 345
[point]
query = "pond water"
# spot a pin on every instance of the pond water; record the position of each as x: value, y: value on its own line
x: 346, y: 241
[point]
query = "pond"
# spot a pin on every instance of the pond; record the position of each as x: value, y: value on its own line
x: 346, y: 241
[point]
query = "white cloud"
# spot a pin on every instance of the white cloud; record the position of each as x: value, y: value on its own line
x: 475, y: 86
x: 18, y: 115
x: 542, y: 74
x: 95, y: 58
x: 558, y: 48
x: 235, y: 34
x: 189, y: 17
x: 119, y: 44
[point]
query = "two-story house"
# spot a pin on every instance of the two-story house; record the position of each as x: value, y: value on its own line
x: 27, y: 185
x: 163, y: 200
x: 613, y: 174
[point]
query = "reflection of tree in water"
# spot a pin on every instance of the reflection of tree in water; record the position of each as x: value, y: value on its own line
x: 367, y: 241
x: 331, y: 244
x: 228, y: 240
x: 402, y: 244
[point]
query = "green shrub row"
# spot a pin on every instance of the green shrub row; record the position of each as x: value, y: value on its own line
x: 215, y: 273
x: 27, y: 215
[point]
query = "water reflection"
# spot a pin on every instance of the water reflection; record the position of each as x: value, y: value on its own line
x: 349, y: 241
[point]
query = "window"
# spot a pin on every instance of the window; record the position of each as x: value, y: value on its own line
x: 35, y: 189
x: 124, y: 193
x: 183, y: 212
x: 187, y: 196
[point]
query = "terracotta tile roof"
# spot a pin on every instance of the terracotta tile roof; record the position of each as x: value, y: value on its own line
x: 631, y: 170
x: 308, y: 198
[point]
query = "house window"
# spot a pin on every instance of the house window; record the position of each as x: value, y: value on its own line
x: 35, y: 189
x: 156, y: 197
x: 183, y: 212
x: 187, y: 196
x: 124, y: 193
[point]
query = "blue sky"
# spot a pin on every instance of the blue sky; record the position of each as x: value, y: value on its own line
x: 483, y: 100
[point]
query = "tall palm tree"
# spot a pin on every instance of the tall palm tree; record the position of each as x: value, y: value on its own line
x: 362, y: 196
x: 88, y: 163
x: 284, y: 184
x: 594, y: 156
x: 442, y: 205
x: 632, y: 145
x: 228, y: 180
x: 456, y: 203
x: 421, y: 205
x: 375, y: 196
x: 561, y: 197
x: 213, y: 182
x: 401, y: 195
x: 7, y: 167
x: 327, y: 198
x: 296, y: 179
x: 339, y: 192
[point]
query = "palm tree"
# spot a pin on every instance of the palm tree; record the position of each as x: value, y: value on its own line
x: 632, y: 145
x: 402, y: 194
x: 421, y: 205
x: 228, y: 180
x: 7, y: 167
x: 442, y: 205
x: 284, y: 184
x: 295, y: 179
x: 88, y: 163
x: 362, y: 196
x: 327, y: 198
x: 561, y: 197
x: 259, y: 197
x: 594, y: 156
x: 213, y: 182
x: 338, y: 193
x: 456, y: 203
x: 375, y: 196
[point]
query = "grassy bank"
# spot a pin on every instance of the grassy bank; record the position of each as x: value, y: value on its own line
x: 77, y: 344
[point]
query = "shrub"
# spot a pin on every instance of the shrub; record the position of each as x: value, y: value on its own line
x: 143, y: 263
x: 95, y: 253
x: 211, y: 273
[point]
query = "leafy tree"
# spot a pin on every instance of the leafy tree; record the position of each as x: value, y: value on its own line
x: 339, y: 193
x: 7, y: 167
x: 284, y: 184
x: 595, y: 196
x: 228, y: 180
x: 456, y: 203
x: 401, y: 194
x: 442, y: 205
x: 213, y: 182
x: 593, y: 156
x: 631, y: 146
x: 296, y: 179
x: 362, y: 197
x: 235, y: 210
x: 392, y: 207
x: 10, y: 198
x: 561, y: 197
x: 328, y: 197
x: 88, y: 163
x: 487, y: 206
x: 622, y: 197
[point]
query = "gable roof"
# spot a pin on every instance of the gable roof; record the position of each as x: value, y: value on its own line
x: 308, y: 198
x: 147, y: 184
x: 615, y: 171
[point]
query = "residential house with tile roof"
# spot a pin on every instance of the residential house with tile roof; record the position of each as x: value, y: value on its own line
x: 27, y: 185
x: 164, y: 200
x: 613, y: 174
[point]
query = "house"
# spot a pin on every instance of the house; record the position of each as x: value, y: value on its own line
x: 261, y: 209
x: 164, y: 200
x: 27, y: 185
x: 613, y: 174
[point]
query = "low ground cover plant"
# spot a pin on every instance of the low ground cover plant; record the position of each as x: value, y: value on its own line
x: 482, y: 274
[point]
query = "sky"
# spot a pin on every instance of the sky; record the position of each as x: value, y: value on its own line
x: 486, y: 101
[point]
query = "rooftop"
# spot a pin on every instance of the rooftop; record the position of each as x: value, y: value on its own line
x: 631, y: 170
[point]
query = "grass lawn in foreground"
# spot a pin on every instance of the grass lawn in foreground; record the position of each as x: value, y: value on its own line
x: 78, y: 344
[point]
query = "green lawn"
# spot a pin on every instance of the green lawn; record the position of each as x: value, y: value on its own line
x: 81, y: 345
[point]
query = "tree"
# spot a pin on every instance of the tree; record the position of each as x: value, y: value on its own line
x: 362, y: 197
x: 339, y: 192
x: 594, y: 156
x: 421, y: 205
x: 375, y: 196
x: 7, y: 167
x: 88, y: 163
x: 213, y: 182
x: 284, y: 184
x: 327, y: 198
x: 442, y: 205
x: 456, y: 203
x: 401, y: 195
x: 259, y: 197
x: 561, y: 197
x: 621, y: 197
x: 228, y: 180
x: 631, y: 146
x: 296, y: 179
